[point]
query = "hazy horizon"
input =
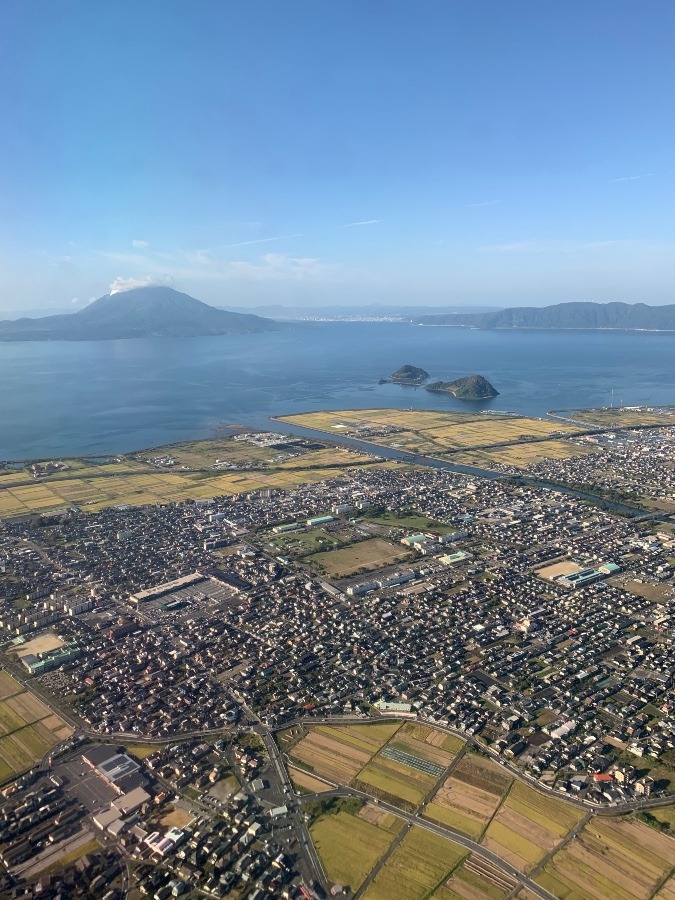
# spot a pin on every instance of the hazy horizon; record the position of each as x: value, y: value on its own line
x: 354, y: 153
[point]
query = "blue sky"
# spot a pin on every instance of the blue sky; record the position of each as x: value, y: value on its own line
x: 303, y: 152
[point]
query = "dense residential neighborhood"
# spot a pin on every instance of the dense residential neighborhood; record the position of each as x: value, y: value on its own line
x: 175, y: 641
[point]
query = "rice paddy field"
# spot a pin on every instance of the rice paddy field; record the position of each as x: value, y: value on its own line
x: 135, y: 482
x: 528, y: 825
x: 406, y: 770
x: 28, y: 728
x: 522, y: 455
x: 339, y: 753
x: 350, y: 845
x: 476, y: 879
x: 416, y: 868
x: 470, y: 797
x: 617, y: 859
x: 429, y: 432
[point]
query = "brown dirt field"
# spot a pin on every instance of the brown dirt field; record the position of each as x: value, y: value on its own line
x: 373, y: 814
x: 40, y: 644
x: 52, y: 722
x: 8, y: 686
x: 28, y: 707
x: 425, y: 750
x: 482, y: 774
x: 655, y: 593
x: 579, y: 856
x: 507, y: 855
x: 308, y: 782
x: 667, y: 892
x: 528, y: 829
x: 635, y: 833
x: 468, y: 800
x: 370, y: 555
x: 436, y: 738
x: 561, y: 568
x: 63, y: 733
x: 329, y: 757
x: 178, y: 818
x: 463, y: 889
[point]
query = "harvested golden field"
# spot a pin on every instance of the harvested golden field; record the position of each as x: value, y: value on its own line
x: 476, y: 879
x: 380, y: 817
x: 422, y: 748
x: 307, y: 783
x: 367, y: 555
x: 470, y: 796
x: 28, y: 729
x: 422, y: 431
x: 417, y: 866
x: 528, y: 825
x: 138, y: 484
x: 8, y: 686
x: 617, y: 859
x: 332, y: 754
x: 349, y: 846
x: 394, y: 782
x: 523, y: 455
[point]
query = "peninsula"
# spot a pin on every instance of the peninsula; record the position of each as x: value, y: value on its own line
x: 473, y: 387
x: 145, y: 312
x: 579, y: 315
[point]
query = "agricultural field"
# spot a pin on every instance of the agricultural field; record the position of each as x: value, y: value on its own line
x: 339, y: 753
x: 422, y: 431
x: 206, y: 454
x: 520, y: 456
x: 28, y: 728
x: 134, y: 482
x: 528, y: 825
x: 426, y: 743
x: 350, y: 845
x: 617, y: 859
x: 407, y: 768
x: 367, y: 555
x: 476, y: 879
x: 416, y: 868
x: 623, y: 417
x: 663, y: 817
x: 469, y: 798
x: 305, y: 783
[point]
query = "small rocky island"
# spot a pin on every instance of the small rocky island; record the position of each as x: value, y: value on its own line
x: 473, y: 387
x: 406, y: 375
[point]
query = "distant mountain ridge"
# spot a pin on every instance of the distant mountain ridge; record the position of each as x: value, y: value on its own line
x: 582, y: 315
x: 144, y: 312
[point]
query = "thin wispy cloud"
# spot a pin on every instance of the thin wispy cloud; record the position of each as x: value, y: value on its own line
x: 280, y: 237
x: 632, y: 177
x: 356, y: 224
x: 484, y: 203
x: 140, y: 245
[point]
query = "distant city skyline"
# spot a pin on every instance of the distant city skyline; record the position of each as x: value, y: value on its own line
x: 303, y: 154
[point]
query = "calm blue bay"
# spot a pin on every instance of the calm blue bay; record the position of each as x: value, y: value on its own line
x: 98, y: 397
